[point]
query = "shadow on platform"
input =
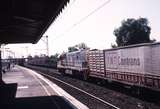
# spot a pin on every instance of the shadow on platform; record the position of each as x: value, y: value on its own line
x: 43, y: 102
x: 8, y: 100
x: 7, y: 92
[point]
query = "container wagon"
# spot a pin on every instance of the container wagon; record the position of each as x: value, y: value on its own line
x: 136, y: 65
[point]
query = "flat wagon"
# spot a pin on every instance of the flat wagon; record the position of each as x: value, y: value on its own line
x: 136, y: 65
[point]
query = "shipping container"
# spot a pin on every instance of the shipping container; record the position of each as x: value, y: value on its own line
x: 96, y: 63
x: 130, y: 60
x: 136, y: 65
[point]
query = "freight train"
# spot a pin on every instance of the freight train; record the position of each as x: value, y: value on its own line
x: 134, y: 65
x: 42, y: 62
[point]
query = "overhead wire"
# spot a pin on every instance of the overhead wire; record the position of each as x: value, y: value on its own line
x: 84, y: 18
x: 73, y: 1
x: 66, y: 9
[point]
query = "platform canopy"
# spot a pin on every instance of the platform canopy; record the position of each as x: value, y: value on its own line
x: 25, y: 21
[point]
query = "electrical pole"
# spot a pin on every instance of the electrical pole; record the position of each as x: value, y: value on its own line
x: 26, y: 51
x: 47, y: 46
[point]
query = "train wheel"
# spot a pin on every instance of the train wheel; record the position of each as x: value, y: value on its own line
x: 136, y: 91
x: 74, y: 73
x: 59, y: 70
x: 85, y: 75
x: 62, y: 71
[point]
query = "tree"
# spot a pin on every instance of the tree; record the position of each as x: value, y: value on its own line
x: 113, y: 45
x: 133, y: 31
x: 54, y: 57
x: 36, y: 56
x: 29, y: 57
x: 71, y: 49
x: 82, y: 46
x: 78, y: 47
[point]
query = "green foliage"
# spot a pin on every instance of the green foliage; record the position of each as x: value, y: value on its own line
x: 29, y: 57
x: 54, y: 57
x: 113, y: 45
x: 133, y: 31
x: 77, y: 47
x: 36, y: 56
x: 82, y: 46
x: 71, y: 49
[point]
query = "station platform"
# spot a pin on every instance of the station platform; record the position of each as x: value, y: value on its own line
x: 35, y: 91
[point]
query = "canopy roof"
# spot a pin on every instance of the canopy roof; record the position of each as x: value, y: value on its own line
x: 25, y: 21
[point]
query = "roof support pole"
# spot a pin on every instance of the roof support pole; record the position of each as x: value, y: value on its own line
x: 1, y: 81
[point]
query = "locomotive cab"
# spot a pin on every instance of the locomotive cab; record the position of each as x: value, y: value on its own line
x: 73, y: 63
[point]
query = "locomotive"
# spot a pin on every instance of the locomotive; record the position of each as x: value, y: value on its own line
x: 134, y: 65
x: 74, y: 63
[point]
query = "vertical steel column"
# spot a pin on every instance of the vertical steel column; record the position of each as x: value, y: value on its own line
x: 1, y: 81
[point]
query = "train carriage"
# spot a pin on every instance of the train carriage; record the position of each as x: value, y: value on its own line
x: 136, y: 65
x: 96, y: 63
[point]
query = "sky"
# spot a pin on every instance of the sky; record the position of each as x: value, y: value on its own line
x: 72, y: 26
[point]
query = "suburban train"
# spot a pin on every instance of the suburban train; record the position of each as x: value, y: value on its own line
x: 134, y: 65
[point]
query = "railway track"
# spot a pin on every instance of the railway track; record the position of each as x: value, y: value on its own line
x: 86, y: 93
x: 103, y: 91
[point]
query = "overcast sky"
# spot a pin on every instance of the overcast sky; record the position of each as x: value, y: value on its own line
x: 97, y: 29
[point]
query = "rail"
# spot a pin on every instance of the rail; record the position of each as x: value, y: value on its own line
x: 99, y: 99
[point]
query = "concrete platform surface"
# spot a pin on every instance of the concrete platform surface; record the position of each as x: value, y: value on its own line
x: 35, y: 91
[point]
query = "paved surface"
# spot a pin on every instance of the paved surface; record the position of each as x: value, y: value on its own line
x: 35, y: 91
x: 29, y: 85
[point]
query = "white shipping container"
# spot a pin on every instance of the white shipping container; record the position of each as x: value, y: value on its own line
x: 155, y: 59
x: 128, y: 59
